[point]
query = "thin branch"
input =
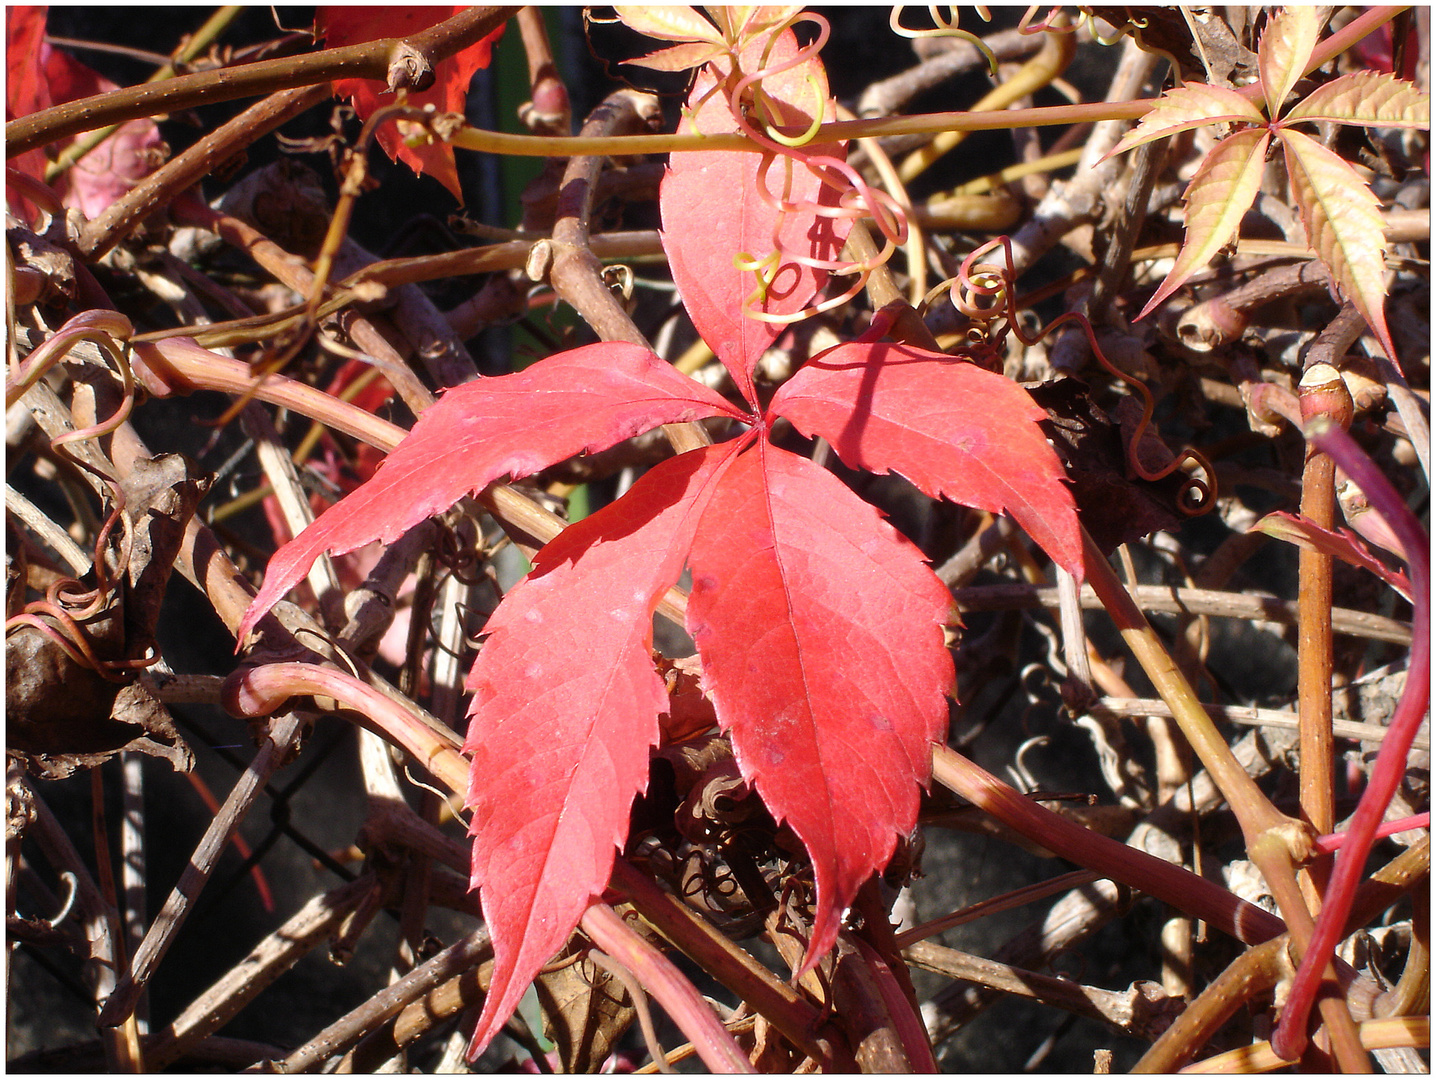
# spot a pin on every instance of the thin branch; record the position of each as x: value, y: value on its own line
x: 368, y: 60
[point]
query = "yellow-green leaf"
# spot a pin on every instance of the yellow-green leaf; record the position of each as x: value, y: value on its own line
x: 1367, y: 98
x: 1343, y: 225
x: 1220, y: 193
x: 1188, y: 107
x: 1283, y: 52
x: 668, y: 23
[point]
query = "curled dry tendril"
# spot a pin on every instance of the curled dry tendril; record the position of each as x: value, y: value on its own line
x: 67, y: 603
x: 982, y: 291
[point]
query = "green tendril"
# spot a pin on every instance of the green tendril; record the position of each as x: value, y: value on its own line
x: 946, y: 27
x: 770, y: 129
x: 764, y: 270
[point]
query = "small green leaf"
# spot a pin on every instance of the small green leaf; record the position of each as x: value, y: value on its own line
x: 1187, y: 107
x: 1218, y: 196
x: 1367, y: 98
x: 1283, y: 52
x: 1343, y: 225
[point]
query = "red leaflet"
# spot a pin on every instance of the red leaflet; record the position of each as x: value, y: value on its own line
x: 709, y: 195
x: 40, y: 76
x: 820, y: 629
x: 1339, y: 543
x: 565, y: 710
x: 353, y: 25
x: 953, y: 429
x: 26, y: 90
x: 580, y: 401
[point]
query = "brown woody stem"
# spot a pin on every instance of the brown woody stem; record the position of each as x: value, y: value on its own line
x: 369, y: 60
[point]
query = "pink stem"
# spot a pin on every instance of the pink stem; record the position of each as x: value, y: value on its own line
x: 665, y: 982
x: 1325, y: 845
x: 179, y: 365
x: 260, y: 691
x: 1196, y: 896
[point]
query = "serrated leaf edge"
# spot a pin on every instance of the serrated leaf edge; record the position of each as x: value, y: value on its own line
x: 1349, y: 239
x: 1226, y: 196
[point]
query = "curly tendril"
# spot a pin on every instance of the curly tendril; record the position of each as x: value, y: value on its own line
x: 759, y: 118
x: 1054, y: 23
x: 764, y: 106
x: 983, y: 292
x: 67, y: 602
x: 945, y: 26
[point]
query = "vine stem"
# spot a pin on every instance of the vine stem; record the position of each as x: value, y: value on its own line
x: 1275, y: 842
x: 410, y: 59
x: 1321, y: 392
x: 686, y: 1007
x: 1179, y: 887
x: 1254, y: 812
x: 495, y: 142
x: 1289, y: 1039
x: 192, y: 47
x: 258, y: 691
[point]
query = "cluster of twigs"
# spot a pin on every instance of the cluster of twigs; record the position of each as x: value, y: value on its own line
x: 97, y: 520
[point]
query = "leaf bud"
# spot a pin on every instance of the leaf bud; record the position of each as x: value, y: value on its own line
x: 1322, y: 392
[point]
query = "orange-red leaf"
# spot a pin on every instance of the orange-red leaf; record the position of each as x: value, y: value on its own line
x: 26, y: 90
x: 575, y: 402
x: 714, y: 211
x: 820, y: 632
x: 1220, y: 193
x: 1187, y: 107
x: 953, y: 429
x: 565, y: 709
x: 353, y: 25
x: 1365, y: 98
x: 1284, y: 50
x: 1343, y: 225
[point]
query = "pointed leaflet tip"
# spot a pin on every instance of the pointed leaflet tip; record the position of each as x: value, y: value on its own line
x: 352, y: 25
x: 1219, y: 195
x: 820, y: 630
x: 579, y: 401
x: 1366, y: 99
x: 956, y: 431
x: 715, y: 215
x: 1343, y: 225
x: 1192, y: 106
x: 1282, y: 54
x: 565, y: 709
